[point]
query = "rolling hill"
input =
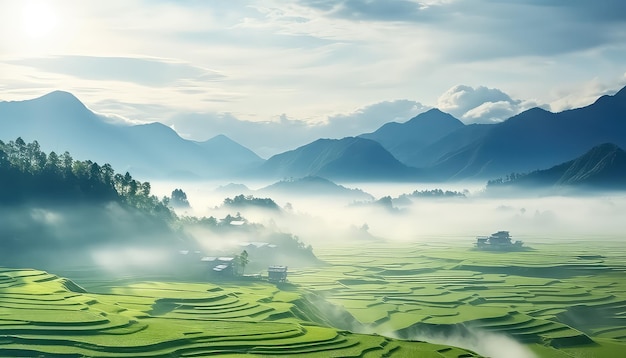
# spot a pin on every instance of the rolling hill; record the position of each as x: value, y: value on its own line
x: 314, y: 186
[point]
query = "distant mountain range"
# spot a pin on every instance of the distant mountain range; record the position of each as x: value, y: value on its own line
x: 538, y: 139
x: 60, y: 122
x: 602, y: 167
x: 433, y: 146
x: 530, y: 140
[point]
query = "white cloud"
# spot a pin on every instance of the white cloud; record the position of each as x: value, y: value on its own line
x: 586, y: 93
x: 481, y: 104
x: 461, y: 98
x: 372, y: 117
x: 490, y: 112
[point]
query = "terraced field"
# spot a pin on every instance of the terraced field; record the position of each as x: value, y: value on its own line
x: 563, y: 299
x: 45, y: 315
x: 566, y: 298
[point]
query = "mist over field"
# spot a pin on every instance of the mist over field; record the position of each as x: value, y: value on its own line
x: 323, y: 219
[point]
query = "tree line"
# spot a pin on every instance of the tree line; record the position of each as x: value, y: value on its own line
x: 28, y: 174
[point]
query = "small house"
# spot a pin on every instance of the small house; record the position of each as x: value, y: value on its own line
x: 222, y: 266
x: 277, y: 273
x: 499, y: 241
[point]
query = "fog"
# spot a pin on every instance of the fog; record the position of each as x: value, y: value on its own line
x: 117, y: 239
x: 104, y: 236
x: 322, y: 220
x: 488, y: 344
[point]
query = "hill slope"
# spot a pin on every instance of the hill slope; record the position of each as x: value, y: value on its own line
x: 602, y: 167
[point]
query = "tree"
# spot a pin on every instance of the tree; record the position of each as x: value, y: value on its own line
x: 242, y: 260
x: 179, y: 199
x: 66, y: 163
x: 107, y: 173
x: 145, y: 189
x: 53, y: 163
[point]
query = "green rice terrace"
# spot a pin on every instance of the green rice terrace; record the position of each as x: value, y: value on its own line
x: 562, y: 299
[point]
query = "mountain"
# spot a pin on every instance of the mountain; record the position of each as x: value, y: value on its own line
x: 314, y: 186
x: 447, y: 145
x: 406, y: 140
x: 350, y: 158
x: 232, y: 154
x: 602, y: 167
x: 535, y: 139
x: 60, y: 122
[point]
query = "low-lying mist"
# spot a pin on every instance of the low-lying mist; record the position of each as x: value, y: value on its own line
x: 77, y: 236
x: 488, y: 344
x: 117, y: 239
x: 323, y: 219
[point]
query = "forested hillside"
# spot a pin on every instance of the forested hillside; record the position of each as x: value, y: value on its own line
x: 29, y: 175
x: 58, y: 211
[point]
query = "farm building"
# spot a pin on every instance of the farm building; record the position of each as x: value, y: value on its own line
x: 223, y: 266
x: 277, y: 273
x: 500, y: 241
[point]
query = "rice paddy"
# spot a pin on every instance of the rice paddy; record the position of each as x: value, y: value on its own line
x: 45, y: 315
x: 565, y: 299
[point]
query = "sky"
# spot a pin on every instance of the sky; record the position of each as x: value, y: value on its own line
x: 274, y: 75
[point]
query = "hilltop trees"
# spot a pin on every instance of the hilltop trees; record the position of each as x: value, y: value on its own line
x: 27, y: 174
x: 179, y: 199
x: 241, y: 201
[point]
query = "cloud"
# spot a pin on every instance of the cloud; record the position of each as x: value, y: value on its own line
x: 607, y: 10
x: 466, y: 31
x: 587, y: 93
x: 480, y: 104
x: 380, y: 10
x: 142, y: 71
x: 460, y: 98
x: 372, y: 117
x: 491, y: 112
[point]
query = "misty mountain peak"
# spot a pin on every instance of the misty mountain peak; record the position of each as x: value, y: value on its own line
x: 220, y: 139
x: 402, y: 139
x: 60, y: 98
x: 435, y: 116
x: 535, y: 115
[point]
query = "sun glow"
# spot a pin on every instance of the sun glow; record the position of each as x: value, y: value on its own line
x: 38, y: 19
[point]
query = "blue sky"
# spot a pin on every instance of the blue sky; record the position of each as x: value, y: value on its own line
x: 274, y: 75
